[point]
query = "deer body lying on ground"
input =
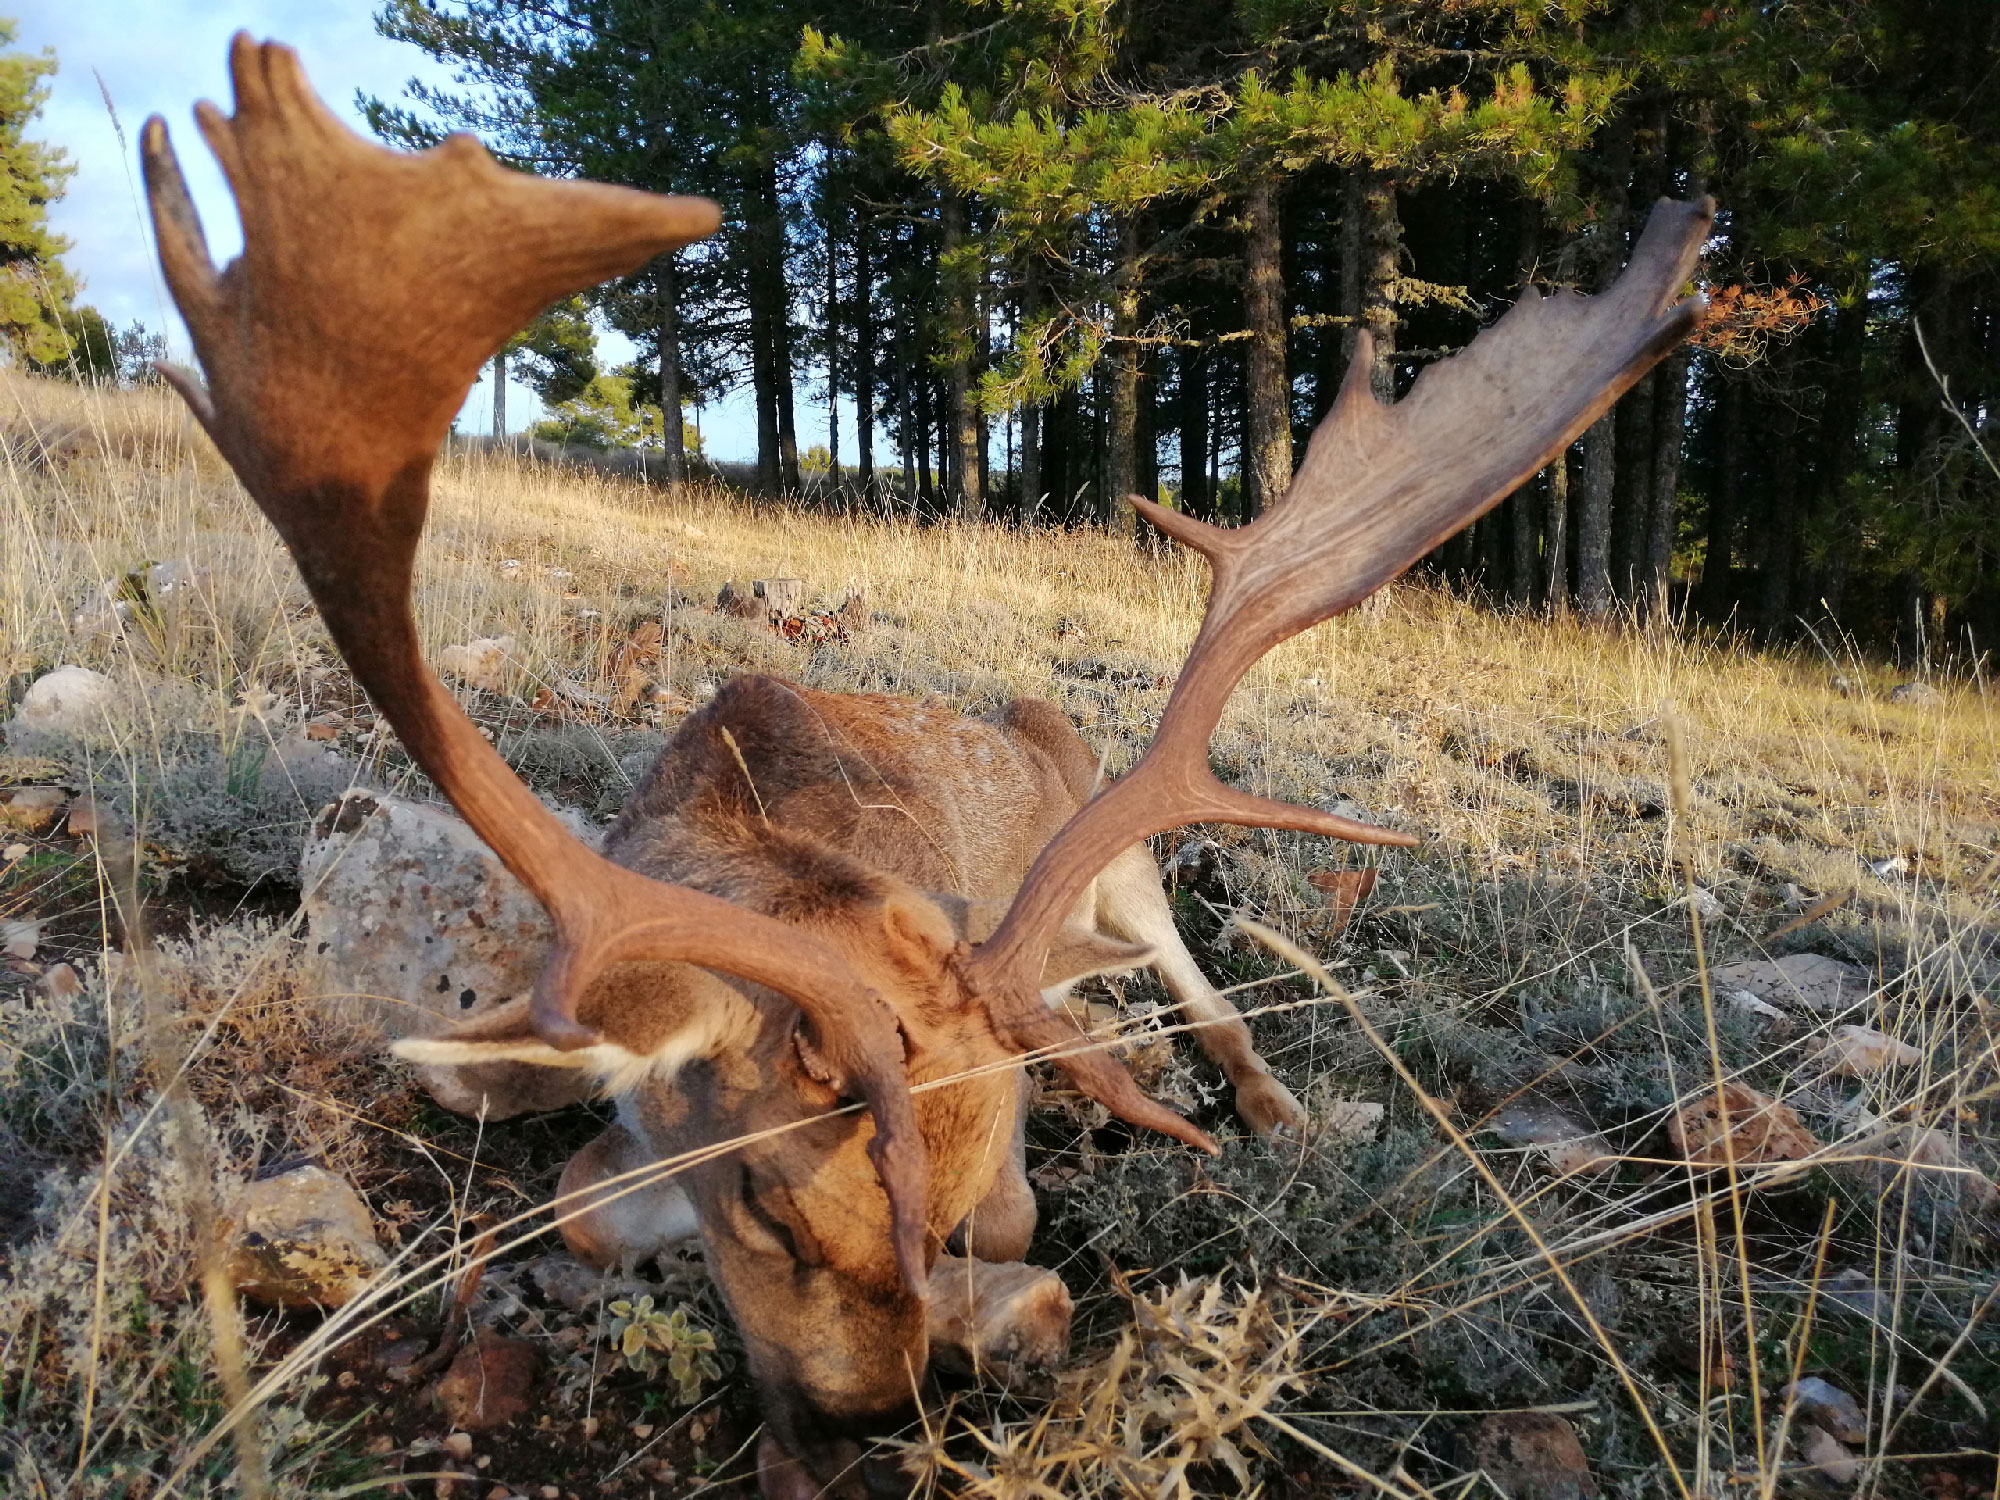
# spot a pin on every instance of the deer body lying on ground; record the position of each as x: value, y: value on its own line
x: 844, y: 1036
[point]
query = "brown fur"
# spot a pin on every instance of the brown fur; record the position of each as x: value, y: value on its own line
x: 896, y: 832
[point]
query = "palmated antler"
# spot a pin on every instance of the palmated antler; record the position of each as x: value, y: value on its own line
x: 372, y: 287
x: 1381, y: 485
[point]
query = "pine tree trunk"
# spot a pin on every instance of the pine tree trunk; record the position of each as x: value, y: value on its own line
x: 906, y: 427
x: 500, y: 395
x: 1197, y: 499
x: 864, y: 364
x: 1031, y: 411
x: 1781, y: 526
x: 1593, y: 518
x: 832, y: 365
x: 1725, y: 501
x: 1521, y: 535
x: 1662, y: 517
x: 1123, y: 436
x: 1634, y: 493
x: 963, y: 442
x: 763, y: 389
x: 1555, y: 535
x: 673, y: 447
x: 1267, y: 409
x: 1381, y: 254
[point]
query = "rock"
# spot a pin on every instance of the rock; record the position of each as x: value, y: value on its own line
x: 1900, y: 1154
x: 1895, y: 867
x: 459, y: 1446
x: 19, y: 939
x: 488, y: 1383
x: 303, y: 1239
x: 69, y: 700
x: 1914, y: 692
x: 1806, y: 979
x: 1828, y: 1457
x: 14, y: 852
x: 1566, y: 1144
x: 781, y: 596
x: 1705, y: 903
x: 996, y: 1316
x: 1760, y: 1129
x: 87, y: 818
x: 1830, y: 1407
x: 1856, y: 1051
x: 31, y: 809
x: 421, y: 926
x: 1353, y: 1121
x: 1851, y: 1289
x: 1750, y: 1005
x: 1530, y: 1455
x: 482, y: 663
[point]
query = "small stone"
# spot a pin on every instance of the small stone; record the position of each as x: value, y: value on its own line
x: 499, y: 1491
x: 1568, y: 1145
x: 87, y: 818
x: 459, y: 1445
x: 1914, y: 692
x: 1760, y: 1129
x: 488, y: 1383
x: 1531, y: 1455
x: 1354, y: 1122
x: 1705, y: 904
x: 61, y: 982
x: 1832, y: 1408
x: 642, y: 1430
x: 31, y: 809
x: 1856, y: 1051
x: 1750, y: 1005
x: 1810, y: 980
x: 304, y: 1239
x: 1828, y: 1456
x: 20, y: 939
x: 14, y: 852
x: 1892, y: 868
x: 549, y: 1492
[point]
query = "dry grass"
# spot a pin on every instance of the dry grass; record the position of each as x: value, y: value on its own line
x: 1539, y: 945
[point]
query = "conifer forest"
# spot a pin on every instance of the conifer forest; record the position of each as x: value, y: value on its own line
x: 1051, y: 253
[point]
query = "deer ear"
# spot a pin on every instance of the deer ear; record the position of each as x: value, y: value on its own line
x: 917, y: 935
x: 1079, y: 952
x: 505, y: 1034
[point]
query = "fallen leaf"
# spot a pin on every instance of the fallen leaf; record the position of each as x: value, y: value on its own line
x: 1344, y: 891
x: 1828, y: 1456
x: 1856, y: 1051
x: 1760, y: 1129
x: 632, y: 663
x: 1355, y: 1121
x: 20, y: 939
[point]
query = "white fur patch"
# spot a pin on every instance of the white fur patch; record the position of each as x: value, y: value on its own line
x: 619, y: 1071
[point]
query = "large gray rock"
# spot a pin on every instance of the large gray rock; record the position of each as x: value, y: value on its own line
x: 68, y: 700
x: 421, y: 927
x: 303, y: 1239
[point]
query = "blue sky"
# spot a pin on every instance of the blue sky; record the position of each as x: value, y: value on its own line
x: 158, y: 57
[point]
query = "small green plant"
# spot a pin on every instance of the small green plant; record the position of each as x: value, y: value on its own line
x: 644, y: 1334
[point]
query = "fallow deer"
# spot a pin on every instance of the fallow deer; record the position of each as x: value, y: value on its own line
x: 837, y: 1049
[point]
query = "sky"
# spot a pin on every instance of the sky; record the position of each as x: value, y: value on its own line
x: 157, y: 57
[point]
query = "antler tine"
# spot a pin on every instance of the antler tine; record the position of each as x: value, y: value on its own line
x: 1380, y: 486
x: 372, y: 287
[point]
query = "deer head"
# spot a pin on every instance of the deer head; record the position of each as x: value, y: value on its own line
x: 802, y: 998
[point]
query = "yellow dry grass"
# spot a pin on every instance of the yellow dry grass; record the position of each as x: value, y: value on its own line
x: 1532, y: 754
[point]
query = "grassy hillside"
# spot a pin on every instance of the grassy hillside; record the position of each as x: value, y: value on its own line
x: 1539, y: 949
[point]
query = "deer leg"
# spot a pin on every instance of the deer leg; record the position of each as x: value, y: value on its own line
x: 1000, y: 1228
x: 611, y: 1222
x: 1132, y: 905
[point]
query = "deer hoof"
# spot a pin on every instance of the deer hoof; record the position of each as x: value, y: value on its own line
x: 1267, y: 1107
